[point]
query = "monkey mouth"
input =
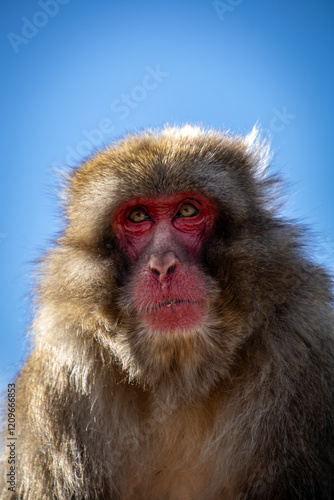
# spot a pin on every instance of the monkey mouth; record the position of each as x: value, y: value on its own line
x: 173, y: 315
x: 170, y: 303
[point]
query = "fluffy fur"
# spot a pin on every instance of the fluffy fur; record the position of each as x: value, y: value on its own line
x: 242, y: 408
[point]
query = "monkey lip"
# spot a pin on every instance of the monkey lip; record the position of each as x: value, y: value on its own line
x: 174, y: 315
x: 170, y: 303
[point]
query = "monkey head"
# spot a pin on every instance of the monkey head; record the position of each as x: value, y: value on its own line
x: 149, y: 259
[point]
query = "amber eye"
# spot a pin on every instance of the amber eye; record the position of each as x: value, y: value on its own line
x: 138, y: 215
x: 187, y: 210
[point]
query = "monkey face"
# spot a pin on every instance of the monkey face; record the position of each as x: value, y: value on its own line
x: 163, y: 238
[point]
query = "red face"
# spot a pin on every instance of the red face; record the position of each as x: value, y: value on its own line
x: 164, y: 236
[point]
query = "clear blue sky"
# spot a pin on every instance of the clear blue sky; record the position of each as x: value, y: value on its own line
x: 76, y: 74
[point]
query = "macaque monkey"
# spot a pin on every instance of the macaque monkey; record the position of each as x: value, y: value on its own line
x: 182, y: 345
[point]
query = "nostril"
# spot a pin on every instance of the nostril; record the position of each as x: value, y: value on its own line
x: 171, y: 269
x: 155, y: 271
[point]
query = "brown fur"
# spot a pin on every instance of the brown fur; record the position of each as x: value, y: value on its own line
x: 241, y: 409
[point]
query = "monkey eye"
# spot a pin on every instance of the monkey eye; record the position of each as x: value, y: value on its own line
x: 187, y: 210
x: 138, y: 215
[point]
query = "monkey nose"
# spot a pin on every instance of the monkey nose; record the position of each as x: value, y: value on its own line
x: 162, y: 265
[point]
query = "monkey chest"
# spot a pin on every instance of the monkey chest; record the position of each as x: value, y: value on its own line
x: 174, y: 462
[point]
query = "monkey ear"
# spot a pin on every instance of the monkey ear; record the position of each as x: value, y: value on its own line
x: 258, y: 149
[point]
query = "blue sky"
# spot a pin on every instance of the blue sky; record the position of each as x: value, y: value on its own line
x: 77, y: 74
